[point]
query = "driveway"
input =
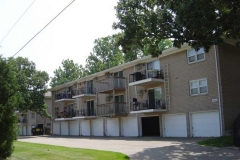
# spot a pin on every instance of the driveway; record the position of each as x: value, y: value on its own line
x: 143, y: 148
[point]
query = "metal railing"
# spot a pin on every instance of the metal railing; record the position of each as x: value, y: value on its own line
x: 22, y: 121
x: 84, y: 90
x: 137, y: 76
x: 85, y: 112
x: 111, y: 83
x: 64, y: 95
x: 112, y: 109
x: 145, y: 105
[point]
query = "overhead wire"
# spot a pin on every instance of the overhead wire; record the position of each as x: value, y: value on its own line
x: 17, y: 21
x: 43, y: 28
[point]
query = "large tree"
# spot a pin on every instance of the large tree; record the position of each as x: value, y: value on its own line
x: 200, y: 23
x: 69, y: 71
x: 106, y: 53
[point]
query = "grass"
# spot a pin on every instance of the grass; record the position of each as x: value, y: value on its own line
x: 224, y: 141
x: 32, y: 151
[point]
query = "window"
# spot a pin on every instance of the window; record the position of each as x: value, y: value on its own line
x: 198, y: 87
x: 153, y: 69
x: 196, y: 56
x: 33, y: 114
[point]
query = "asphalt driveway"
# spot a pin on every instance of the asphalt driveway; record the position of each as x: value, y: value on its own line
x: 143, y: 148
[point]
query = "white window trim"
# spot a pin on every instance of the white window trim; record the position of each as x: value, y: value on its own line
x: 197, y: 80
x: 196, y: 61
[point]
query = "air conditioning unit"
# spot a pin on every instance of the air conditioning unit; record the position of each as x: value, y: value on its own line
x: 139, y: 66
x: 139, y: 92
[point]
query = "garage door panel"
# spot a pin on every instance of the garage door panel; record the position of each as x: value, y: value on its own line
x: 24, y: 130
x: 64, y: 128
x: 29, y: 130
x: 205, y: 124
x: 56, y: 128
x: 85, y: 127
x: 130, y: 127
x: 74, y: 128
x: 97, y: 127
x: 20, y: 131
x: 112, y: 127
x: 175, y: 125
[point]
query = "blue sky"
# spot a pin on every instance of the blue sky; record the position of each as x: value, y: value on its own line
x: 71, y: 35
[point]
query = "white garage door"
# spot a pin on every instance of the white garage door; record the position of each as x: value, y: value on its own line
x: 64, y: 128
x: 20, y: 131
x: 85, y: 127
x: 24, y: 130
x: 56, y: 128
x: 97, y: 127
x: 74, y: 128
x: 205, y: 124
x: 130, y: 127
x: 112, y: 127
x: 29, y: 130
x: 174, y: 125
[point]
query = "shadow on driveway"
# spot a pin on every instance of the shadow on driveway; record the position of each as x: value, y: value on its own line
x: 187, y: 150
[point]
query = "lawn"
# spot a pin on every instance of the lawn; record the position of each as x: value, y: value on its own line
x: 32, y: 151
x: 224, y: 141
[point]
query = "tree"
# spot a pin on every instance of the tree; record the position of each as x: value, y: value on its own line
x: 32, y: 86
x: 9, y: 99
x: 106, y: 54
x: 200, y: 23
x: 68, y: 72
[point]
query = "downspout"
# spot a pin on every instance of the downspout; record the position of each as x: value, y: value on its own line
x: 219, y: 91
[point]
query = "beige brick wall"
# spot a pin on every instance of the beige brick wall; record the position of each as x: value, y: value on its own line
x: 229, y: 58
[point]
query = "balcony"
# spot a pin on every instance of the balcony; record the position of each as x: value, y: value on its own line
x: 146, y: 77
x: 155, y: 105
x: 23, y: 121
x: 84, y: 92
x: 112, y: 110
x: 64, y: 97
x: 111, y: 83
x: 85, y: 114
x: 64, y: 115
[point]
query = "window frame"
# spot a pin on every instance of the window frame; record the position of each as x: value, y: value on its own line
x: 196, y: 53
x: 198, y: 87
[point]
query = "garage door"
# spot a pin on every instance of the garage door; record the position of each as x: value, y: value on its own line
x: 130, y: 127
x: 97, y: 127
x: 112, y: 127
x: 150, y: 126
x: 20, y: 131
x: 85, y: 127
x: 174, y: 125
x: 205, y: 124
x: 24, y: 130
x: 29, y: 130
x: 64, y: 128
x: 74, y: 128
x: 56, y: 128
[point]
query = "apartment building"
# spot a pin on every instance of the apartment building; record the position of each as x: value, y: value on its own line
x: 28, y: 119
x: 181, y: 93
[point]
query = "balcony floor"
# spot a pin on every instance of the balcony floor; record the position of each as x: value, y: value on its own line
x: 65, y: 100
x: 85, y: 117
x: 84, y: 95
x: 148, y: 111
x: 146, y: 82
x: 64, y: 119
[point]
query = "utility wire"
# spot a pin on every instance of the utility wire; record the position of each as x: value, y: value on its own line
x: 42, y: 28
x: 17, y: 21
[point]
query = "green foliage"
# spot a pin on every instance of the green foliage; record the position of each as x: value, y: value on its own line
x: 33, y: 151
x: 68, y: 72
x: 200, y: 23
x: 8, y: 99
x: 106, y: 54
x: 32, y: 86
x: 224, y: 141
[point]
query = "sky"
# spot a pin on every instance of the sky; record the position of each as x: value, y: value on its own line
x: 69, y: 36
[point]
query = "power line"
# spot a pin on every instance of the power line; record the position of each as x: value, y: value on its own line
x: 42, y: 28
x: 17, y: 21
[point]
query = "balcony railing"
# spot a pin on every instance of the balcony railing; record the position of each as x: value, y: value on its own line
x: 85, y: 112
x: 112, y: 109
x: 22, y: 121
x: 137, y: 76
x: 59, y: 96
x: 65, y: 114
x: 111, y: 83
x: 145, y: 105
x: 84, y: 90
